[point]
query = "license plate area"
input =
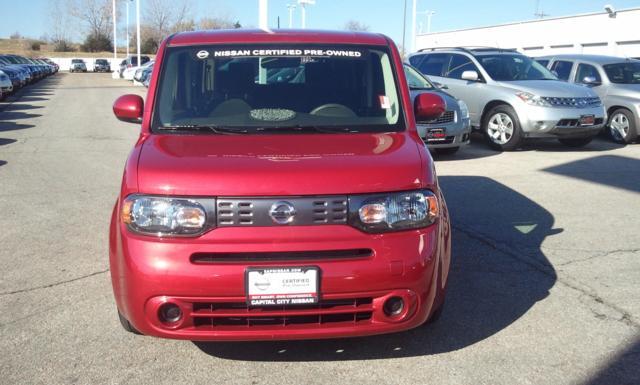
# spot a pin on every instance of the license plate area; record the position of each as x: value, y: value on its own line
x: 436, y: 134
x: 587, y: 120
x: 282, y: 286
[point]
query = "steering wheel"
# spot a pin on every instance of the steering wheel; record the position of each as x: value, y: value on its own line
x: 335, y: 110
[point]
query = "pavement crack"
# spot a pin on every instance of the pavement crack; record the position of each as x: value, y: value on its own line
x: 600, y: 255
x: 549, y: 270
x: 53, y: 284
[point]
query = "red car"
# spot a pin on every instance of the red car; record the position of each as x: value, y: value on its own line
x: 278, y: 190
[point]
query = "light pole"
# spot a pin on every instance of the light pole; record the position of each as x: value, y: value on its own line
x: 414, y: 12
x: 291, y: 8
x: 263, y: 18
x: 429, y: 14
x: 138, y: 28
x: 303, y: 6
x: 128, y: 36
x: 115, y: 42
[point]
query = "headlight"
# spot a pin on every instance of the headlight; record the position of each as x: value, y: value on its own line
x: 464, y: 109
x: 166, y: 216
x: 533, y: 100
x: 392, y: 212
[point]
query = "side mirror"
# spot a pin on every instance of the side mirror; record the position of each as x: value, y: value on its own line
x: 129, y: 108
x: 428, y: 106
x: 441, y: 86
x: 591, y: 81
x: 471, y: 76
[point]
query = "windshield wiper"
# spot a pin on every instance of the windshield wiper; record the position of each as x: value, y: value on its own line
x: 305, y: 129
x: 221, y: 130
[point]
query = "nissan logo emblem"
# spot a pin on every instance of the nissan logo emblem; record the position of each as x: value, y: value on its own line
x: 282, y: 212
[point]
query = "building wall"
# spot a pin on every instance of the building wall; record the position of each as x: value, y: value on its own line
x: 596, y: 33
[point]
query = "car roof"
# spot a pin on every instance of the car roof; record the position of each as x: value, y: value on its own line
x: 598, y: 59
x: 469, y: 50
x: 276, y: 36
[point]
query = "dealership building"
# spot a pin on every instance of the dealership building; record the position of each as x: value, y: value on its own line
x: 609, y: 32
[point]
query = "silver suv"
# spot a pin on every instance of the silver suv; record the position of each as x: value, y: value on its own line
x: 616, y: 80
x: 511, y: 97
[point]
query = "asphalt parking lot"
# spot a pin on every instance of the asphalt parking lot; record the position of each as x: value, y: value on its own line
x: 544, y: 289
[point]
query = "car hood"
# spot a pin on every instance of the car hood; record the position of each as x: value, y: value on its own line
x: 278, y: 165
x: 550, y: 88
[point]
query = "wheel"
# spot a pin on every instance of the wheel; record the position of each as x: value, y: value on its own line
x: 126, y: 325
x: 622, y: 126
x: 576, y: 142
x: 501, y: 126
x: 447, y: 151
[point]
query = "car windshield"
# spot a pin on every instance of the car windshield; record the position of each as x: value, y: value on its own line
x: 74, y: 61
x: 514, y: 67
x: 267, y: 88
x: 623, y: 73
x: 101, y: 61
x: 415, y: 79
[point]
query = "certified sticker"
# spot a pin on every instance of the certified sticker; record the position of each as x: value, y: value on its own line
x: 202, y: 54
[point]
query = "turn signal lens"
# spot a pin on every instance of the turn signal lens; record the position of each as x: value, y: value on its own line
x: 373, y: 213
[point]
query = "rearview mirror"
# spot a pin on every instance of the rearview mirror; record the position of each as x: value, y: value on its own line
x: 471, y: 76
x: 590, y: 81
x: 129, y: 108
x: 428, y: 106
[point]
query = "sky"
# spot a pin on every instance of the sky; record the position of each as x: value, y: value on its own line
x: 29, y: 17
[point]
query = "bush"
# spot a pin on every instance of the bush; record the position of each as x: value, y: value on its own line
x: 97, y: 42
x: 62, y: 45
x: 149, y: 46
x: 35, y: 46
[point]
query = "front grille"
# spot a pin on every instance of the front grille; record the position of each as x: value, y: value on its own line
x: 239, y: 315
x: 576, y: 123
x: 446, y: 140
x: 447, y: 117
x: 212, y: 258
x: 232, y: 212
x: 573, y: 102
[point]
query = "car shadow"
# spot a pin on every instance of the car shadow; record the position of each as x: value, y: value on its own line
x: 12, y: 126
x: 498, y: 273
x: 599, y: 143
x: 5, y: 141
x: 624, y: 369
x: 7, y: 114
x: 477, y: 148
x: 20, y: 107
x: 2, y: 163
x: 610, y: 170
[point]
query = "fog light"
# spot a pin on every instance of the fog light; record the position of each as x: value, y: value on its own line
x: 393, y: 306
x: 170, y: 313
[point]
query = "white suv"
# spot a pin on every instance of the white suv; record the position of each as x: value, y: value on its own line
x: 511, y: 97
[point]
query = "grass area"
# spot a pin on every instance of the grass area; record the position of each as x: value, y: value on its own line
x: 23, y: 47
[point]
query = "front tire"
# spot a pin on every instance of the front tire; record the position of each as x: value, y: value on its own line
x: 622, y: 126
x: 501, y: 127
x: 576, y: 142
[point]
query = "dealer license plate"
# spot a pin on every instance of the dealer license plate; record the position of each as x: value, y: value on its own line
x: 278, y: 286
x: 436, y: 135
x: 587, y: 120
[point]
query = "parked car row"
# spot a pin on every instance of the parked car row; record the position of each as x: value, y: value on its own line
x: 130, y: 65
x: 18, y: 71
x: 511, y: 97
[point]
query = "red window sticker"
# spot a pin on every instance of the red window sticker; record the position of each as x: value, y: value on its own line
x: 385, y: 104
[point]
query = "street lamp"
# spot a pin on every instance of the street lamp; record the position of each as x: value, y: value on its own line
x: 115, y: 43
x: 303, y: 6
x: 128, y: 35
x: 291, y: 8
x: 138, y: 28
x: 428, y: 14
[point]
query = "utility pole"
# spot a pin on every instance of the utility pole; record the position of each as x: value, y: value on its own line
x: 128, y: 36
x: 291, y: 8
x: 138, y: 28
x: 303, y: 6
x: 404, y: 29
x: 263, y: 20
x: 414, y: 13
x: 115, y: 41
x: 539, y: 12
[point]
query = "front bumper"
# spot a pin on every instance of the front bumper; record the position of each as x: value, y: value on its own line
x: 544, y: 122
x: 454, y: 134
x: 147, y: 273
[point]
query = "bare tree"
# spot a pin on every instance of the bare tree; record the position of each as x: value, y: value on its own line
x: 96, y: 15
x: 166, y: 16
x: 353, y: 25
x: 216, y: 23
x: 59, y: 25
